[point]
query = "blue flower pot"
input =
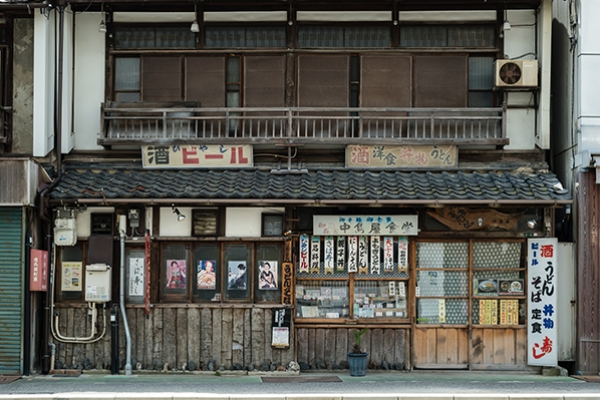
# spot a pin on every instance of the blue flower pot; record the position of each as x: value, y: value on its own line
x: 357, y: 364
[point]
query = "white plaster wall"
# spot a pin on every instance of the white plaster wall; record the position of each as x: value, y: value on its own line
x: 520, y: 39
x: 246, y: 221
x: 67, y: 135
x: 88, y: 89
x: 170, y: 226
x: 153, y: 17
x: 249, y: 16
x: 43, y: 84
x: 471, y: 15
x: 520, y: 125
x: 344, y: 16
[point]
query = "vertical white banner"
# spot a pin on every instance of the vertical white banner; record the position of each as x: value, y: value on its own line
x: 363, y: 255
x: 328, y: 254
x: 388, y: 254
x: 542, y: 345
x: 352, y: 253
x: 303, y: 267
x: 340, y: 261
x: 403, y: 255
x: 315, y: 254
x: 375, y: 254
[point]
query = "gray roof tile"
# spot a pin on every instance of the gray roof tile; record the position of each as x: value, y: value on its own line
x: 132, y: 182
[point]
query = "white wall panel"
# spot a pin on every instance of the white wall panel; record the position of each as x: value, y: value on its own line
x: 89, y: 80
x: 589, y: 13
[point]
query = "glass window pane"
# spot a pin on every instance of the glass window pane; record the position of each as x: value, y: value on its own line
x: 367, y: 36
x: 481, y: 73
x: 322, y: 299
x: 443, y: 311
x: 268, y: 273
x: 225, y: 37
x: 443, y: 283
x: 207, y: 272
x: 423, y: 36
x: 442, y: 255
x: 481, y: 99
x: 265, y: 37
x: 127, y: 73
x: 380, y: 299
x: 471, y: 36
x: 238, y: 259
x: 321, y: 36
x: 497, y: 255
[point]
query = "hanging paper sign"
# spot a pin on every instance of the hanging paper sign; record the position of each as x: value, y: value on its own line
x: 401, y: 289
x: 392, y: 288
x: 352, y: 253
x: 38, y: 279
x: 541, y: 303
x: 340, y: 261
x: 375, y: 256
x: 363, y: 255
x: 315, y: 254
x: 136, y: 276
x: 388, y: 254
x: 403, y: 255
x: 303, y: 267
x: 365, y: 225
x: 329, y: 254
x: 442, y: 311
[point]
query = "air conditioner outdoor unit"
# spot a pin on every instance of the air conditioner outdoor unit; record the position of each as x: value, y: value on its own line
x: 516, y: 73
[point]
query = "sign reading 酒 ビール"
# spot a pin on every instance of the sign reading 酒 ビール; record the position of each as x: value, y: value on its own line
x: 197, y: 156
x: 394, y: 156
x: 541, y: 320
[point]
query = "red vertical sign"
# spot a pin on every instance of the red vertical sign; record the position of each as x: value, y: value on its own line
x: 38, y: 278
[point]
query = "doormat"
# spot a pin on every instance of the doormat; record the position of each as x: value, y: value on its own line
x: 587, y: 378
x: 9, y: 379
x: 300, y: 379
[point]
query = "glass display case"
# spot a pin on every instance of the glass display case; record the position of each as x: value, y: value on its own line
x: 322, y: 299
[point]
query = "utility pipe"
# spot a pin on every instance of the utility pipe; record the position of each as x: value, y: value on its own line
x: 122, y: 230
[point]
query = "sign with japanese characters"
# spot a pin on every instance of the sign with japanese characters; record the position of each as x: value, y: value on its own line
x: 542, y: 330
x: 197, y: 156
x: 328, y: 253
x: 38, y: 280
x: 394, y: 156
x: 365, y: 225
x: 303, y: 254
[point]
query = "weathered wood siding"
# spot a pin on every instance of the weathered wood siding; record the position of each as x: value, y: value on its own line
x: 176, y: 335
x: 588, y: 275
x: 323, y: 348
x: 441, y: 347
x: 495, y: 349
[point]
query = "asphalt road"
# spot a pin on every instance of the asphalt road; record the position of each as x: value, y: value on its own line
x: 397, y: 385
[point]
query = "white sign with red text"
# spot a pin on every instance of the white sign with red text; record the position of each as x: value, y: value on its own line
x: 197, y: 156
x: 542, y: 345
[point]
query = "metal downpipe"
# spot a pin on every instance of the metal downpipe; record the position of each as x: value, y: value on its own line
x: 122, y: 230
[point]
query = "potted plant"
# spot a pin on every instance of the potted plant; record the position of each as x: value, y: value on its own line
x: 357, y: 359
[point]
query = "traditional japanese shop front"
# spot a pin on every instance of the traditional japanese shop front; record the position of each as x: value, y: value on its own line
x: 216, y: 261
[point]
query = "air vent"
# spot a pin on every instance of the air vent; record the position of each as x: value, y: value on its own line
x: 102, y: 224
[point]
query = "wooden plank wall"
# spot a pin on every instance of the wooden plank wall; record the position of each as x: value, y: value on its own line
x: 321, y: 348
x: 495, y: 349
x: 438, y: 347
x: 176, y: 335
x: 588, y: 274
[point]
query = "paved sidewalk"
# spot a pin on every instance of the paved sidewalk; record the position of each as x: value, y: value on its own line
x: 336, y: 385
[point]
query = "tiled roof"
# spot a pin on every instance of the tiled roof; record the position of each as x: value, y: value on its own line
x: 111, y: 182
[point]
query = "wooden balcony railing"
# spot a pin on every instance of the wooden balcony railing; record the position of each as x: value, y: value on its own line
x: 137, y: 124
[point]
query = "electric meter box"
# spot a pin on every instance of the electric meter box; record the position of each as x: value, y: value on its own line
x: 97, y: 283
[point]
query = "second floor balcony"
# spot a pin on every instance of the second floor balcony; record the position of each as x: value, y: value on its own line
x: 139, y: 123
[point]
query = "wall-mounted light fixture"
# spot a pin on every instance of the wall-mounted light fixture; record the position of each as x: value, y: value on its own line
x: 506, y: 24
x: 180, y: 216
x: 102, y: 26
x: 195, y: 27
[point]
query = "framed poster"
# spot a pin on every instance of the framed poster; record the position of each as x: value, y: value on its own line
x: 267, y: 275
x: 176, y: 276
x: 237, y: 277
x: 206, y: 275
x: 71, y: 277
